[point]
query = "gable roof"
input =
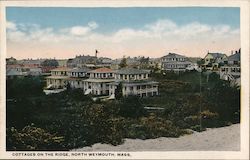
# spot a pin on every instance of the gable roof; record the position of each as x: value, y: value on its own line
x: 216, y: 55
x: 174, y: 55
x: 234, y: 57
x: 79, y: 70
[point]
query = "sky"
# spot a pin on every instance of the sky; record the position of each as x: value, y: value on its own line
x: 40, y: 32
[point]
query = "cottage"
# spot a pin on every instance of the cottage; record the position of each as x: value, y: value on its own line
x: 58, y: 79
x: 76, y: 75
x: 134, y: 82
x: 231, y: 70
x: 98, y: 82
x: 214, y: 60
x: 174, y: 62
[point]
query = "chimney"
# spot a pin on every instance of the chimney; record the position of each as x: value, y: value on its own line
x: 239, y: 50
x: 232, y: 52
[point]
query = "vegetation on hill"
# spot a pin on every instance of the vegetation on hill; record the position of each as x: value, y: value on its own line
x: 70, y: 119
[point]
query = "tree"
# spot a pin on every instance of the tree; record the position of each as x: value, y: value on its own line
x: 50, y: 63
x: 123, y: 63
x: 225, y: 100
x: 132, y: 106
x: 118, y: 92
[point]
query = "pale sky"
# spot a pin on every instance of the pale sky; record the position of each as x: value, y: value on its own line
x: 114, y: 32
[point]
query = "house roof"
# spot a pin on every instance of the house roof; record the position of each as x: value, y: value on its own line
x: 57, y: 77
x: 61, y: 69
x: 174, y: 55
x: 80, y: 70
x: 234, y: 57
x: 102, y: 70
x: 217, y: 55
x: 131, y: 71
x: 99, y: 80
x: 134, y: 83
x: 12, y: 72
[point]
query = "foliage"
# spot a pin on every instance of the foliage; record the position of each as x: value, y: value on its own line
x: 131, y: 106
x: 123, y: 63
x: 225, y: 100
x: 188, y: 99
x: 118, y: 92
x: 50, y: 63
x: 32, y: 138
x: 153, y: 127
x: 23, y: 87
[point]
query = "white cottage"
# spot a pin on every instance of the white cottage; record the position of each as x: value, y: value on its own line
x: 175, y: 62
x: 134, y: 82
x: 98, y: 82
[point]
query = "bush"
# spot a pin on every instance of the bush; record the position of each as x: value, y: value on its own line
x: 32, y: 138
x: 209, y: 119
x: 153, y: 127
x: 132, y: 107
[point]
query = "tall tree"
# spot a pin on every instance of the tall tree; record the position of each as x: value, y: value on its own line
x: 123, y: 63
x: 118, y: 91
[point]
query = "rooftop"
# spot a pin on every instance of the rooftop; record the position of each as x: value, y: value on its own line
x: 102, y: 70
x: 57, y: 77
x: 61, y: 69
x: 80, y: 70
x: 174, y: 55
x: 99, y: 80
x: 217, y: 55
x: 131, y: 71
x: 234, y: 57
x: 133, y: 83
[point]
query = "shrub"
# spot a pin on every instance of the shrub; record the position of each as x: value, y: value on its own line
x: 153, y: 127
x: 32, y: 138
x: 132, y: 106
x: 209, y: 119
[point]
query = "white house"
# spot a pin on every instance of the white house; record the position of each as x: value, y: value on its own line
x: 76, y: 75
x: 134, y: 82
x: 174, y: 62
x: 98, y: 82
x: 231, y: 70
x: 58, y: 80
x: 213, y: 60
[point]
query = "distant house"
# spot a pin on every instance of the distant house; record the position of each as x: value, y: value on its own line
x: 62, y: 62
x: 231, y: 70
x: 15, y: 70
x: 175, y: 62
x: 35, y: 71
x: 212, y: 61
x: 20, y: 70
x: 81, y: 61
x: 11, y: 61
x: 32, y: 62
x: 134, y: 82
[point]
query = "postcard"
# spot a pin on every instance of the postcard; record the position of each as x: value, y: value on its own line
x: 124, y: 79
